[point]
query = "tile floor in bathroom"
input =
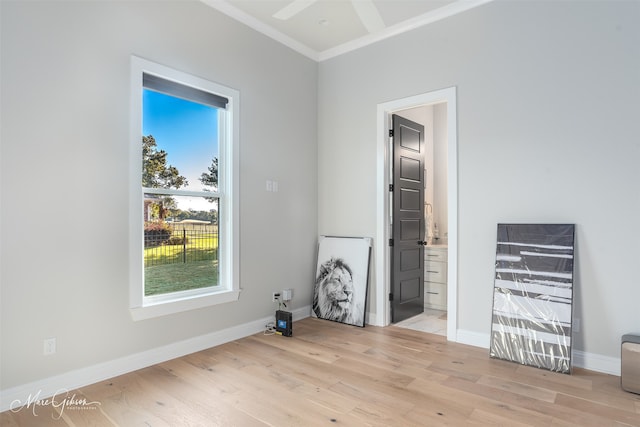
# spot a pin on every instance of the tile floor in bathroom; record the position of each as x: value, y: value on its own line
x: 431, y: 321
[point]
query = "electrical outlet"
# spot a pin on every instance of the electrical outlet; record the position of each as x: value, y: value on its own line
x: 275, y: 296
x: 287, y: 294
x: 49, y: 346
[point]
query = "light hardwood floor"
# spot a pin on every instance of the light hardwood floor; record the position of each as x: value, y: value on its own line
x: 334, y: 374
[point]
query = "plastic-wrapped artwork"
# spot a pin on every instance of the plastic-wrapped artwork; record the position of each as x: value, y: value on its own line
x: 533, y: 295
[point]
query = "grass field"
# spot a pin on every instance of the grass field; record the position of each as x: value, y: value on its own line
x: 160, y: 279
x: 172, y: 268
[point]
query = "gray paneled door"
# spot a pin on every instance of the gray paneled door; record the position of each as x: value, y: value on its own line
x: 407, y: 251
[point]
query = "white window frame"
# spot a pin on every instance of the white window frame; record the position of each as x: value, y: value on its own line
x: 228, y: 289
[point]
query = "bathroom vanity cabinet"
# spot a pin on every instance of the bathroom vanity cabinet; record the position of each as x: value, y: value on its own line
x: 435, y: 277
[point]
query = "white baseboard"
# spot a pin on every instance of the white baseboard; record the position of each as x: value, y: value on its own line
x: 48, y: 387
x: 372, y: 319
x: 473, y: 338
x: 593, y: 362
x: 597, y: 362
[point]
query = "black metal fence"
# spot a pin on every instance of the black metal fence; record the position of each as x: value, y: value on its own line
x: 181, y: 244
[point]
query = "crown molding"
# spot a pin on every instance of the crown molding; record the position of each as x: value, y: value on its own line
x: 402, y: 27
x: 261, y: 27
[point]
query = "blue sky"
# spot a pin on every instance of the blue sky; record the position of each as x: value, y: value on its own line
x: 186, y: 130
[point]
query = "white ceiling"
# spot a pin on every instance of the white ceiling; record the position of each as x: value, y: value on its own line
x: 322, y: 29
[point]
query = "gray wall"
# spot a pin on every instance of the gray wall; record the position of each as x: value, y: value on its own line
x: 547, y: 96
x: 65, y: 136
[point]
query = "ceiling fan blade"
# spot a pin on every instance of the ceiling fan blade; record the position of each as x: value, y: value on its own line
x: 369, y: 15
x: 292, y: 9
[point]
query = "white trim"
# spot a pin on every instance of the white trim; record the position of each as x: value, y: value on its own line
x: 369, y: 16
x: 172, y: 192
x: 372, y: 319
x: 402, y: 27
x: 597, y: 362
x: 475, y: 339
x: 384, y: 112
x: 261, y: 27
x: 292, y: 9
x: 591, y: 361
x: 92, y: 374
x: 228, y: 288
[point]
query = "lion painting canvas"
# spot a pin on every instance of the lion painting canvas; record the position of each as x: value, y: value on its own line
x: 340, y: 290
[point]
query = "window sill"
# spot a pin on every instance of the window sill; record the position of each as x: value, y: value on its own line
x: 157, y: 309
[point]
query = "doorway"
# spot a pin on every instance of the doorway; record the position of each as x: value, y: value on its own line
x: 383, y: 225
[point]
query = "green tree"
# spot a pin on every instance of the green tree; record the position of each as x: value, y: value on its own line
x: 210, y: 178
x: 155, y: 171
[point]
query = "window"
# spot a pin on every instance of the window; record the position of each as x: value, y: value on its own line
x: 183, y: 194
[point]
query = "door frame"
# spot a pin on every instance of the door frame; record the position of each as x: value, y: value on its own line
x: 383, y: 170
